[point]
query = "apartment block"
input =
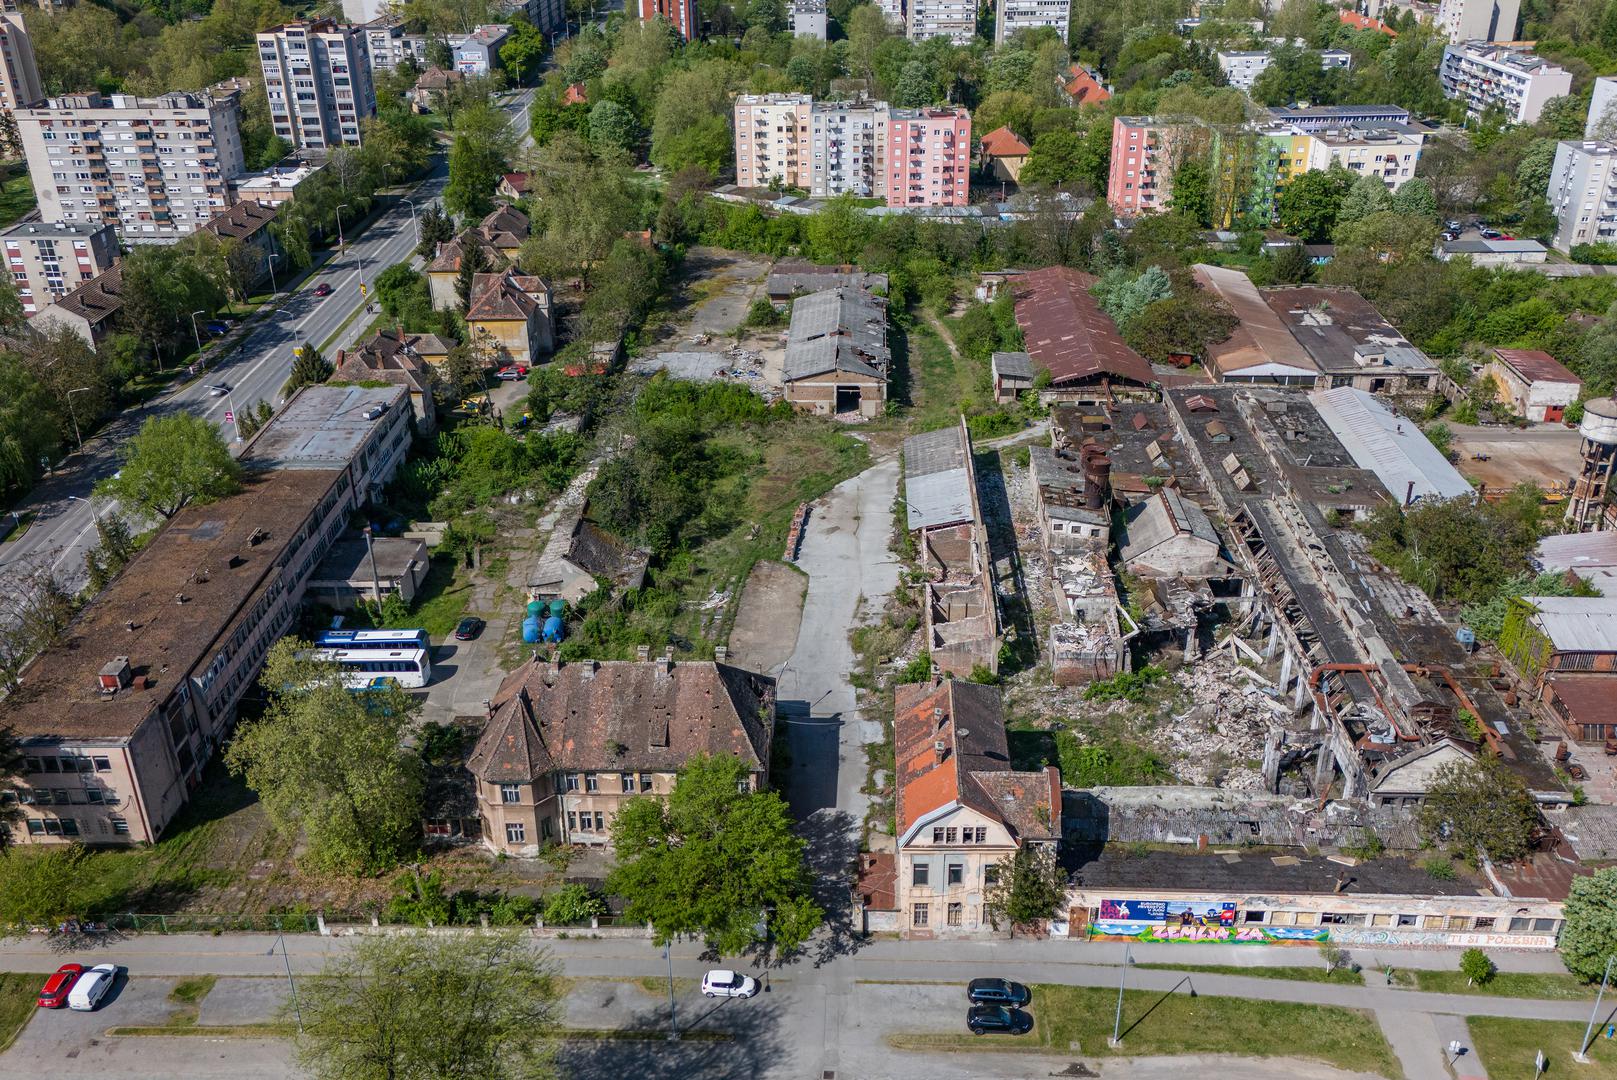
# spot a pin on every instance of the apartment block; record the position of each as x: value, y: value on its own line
x: 1479, y: 20
x: 771, y: 140
x: 1141, y: 174
x: 1583, y: 194
x: 1321, y: 117
x: 1013, y: 15
x: 387, y: 45
x: 808, y: 18
x: 848, y: 148
x: 928, y: 157
x: 48, y: 260
x: 19, y: 75
x: 1390, y: 152
x: 1602, y: 118
x: 682, y: 13
x: 952, y: 19
x: 1242, y: 67
x: 1491, y: 76
x: 896, y: 12
x: 154, y: 168
x: 478, y: 53
x: 317, y: 76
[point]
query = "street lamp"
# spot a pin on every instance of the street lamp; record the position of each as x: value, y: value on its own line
x: 673, y: 1025
x: 1117, y: 1023
x: 194, y: 331
x: 415, y: 223
x: 340, y: 208
x: 273, y: 287
x: 1582, y: 1056
x: 280, y: 939
x: 86, y: 502
x: 76, y: 436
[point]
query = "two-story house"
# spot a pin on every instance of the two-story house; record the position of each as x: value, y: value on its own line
x: 568, y: 744
x: 960, y: 808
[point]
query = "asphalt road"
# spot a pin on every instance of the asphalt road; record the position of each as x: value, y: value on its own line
x: 63, y: 529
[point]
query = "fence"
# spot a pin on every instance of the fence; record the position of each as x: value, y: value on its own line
x: 305, y: 923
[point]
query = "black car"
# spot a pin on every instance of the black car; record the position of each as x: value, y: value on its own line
x: 997, y: 992
x: 469, y: 628
x: 982, y: 1019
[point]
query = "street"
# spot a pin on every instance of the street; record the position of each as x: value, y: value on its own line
x: 63, y: 529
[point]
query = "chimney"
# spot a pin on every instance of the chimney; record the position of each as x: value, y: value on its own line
x: 1409, y: 494
x: 588, y: 672
x: 941, y: 748
x: 115, y: 675
x: 180, y: 598
x: 1097, y: 477
x: 642, y: 653
x: 721, y: 654
x: 665, y: 662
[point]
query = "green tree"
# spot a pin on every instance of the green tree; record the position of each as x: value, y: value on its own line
x: 474, y: 260
x: 115, y: 546
x: 1589, y: 934
x: 28, y: 426
x: 1193, y: 192
x: 916, y: 87
x: 1055, y: 158
x: 11, y: 766
x: 1416, y: 199
x: 309, y: 368
x: 613, y: 127
x: 1290, y: 266
x: 1308, y: 205
x: 1004, y: 108
x: 714, y: 861
x: 1368, y: 195
x: 1480, y: 806
x: 1179, y: 326
x: 1029, y: 889
x: 437, y: 228
x: 172, y: 462
x: 254, y: 417
x: 479, y: 154
x: 483, y: 1006
x: 1476, y: 967
x: 524, y: 50
x: 330, y: 764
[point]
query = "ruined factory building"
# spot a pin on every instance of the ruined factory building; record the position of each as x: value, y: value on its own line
x: 1170, y: 536
x: 1069, y: 335
x: 1395, y: 449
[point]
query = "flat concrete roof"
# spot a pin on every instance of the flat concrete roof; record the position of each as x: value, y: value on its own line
x: 322, y: 427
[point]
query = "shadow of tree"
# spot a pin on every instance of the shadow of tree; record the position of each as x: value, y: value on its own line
x: 755, y: 1045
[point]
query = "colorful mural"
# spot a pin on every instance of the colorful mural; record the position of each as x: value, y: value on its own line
x: 1120, y: 930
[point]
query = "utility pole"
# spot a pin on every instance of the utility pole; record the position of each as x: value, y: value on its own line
x: 280, y: 939
x: 76, y: 436
x: 376, y: 581
x: 1582, y: 1056
x: 1122, y: 979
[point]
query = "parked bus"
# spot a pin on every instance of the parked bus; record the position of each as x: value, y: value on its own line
x: 410, y: 668
x: 374, y: 639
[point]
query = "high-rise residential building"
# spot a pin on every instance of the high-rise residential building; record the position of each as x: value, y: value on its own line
x: 155, y: 168
x: 1479, y: 20
x: 1491, y: 76
x: 895, y: 11
x: 387, y: 45
x: 1389, y: 152
x: 928, y: 157
x: 1141, y: 168
x: 19, y: 75
x: 772, y: 139
x: 682, y: 13
x: 1243, y: 66
x: 1602, y: 119
x: 808, y: 18
x: 1013, y: 15
x: 1583, y: 194
x: 952, y: 19
x: 317, y: 76
x: 848, y: 148
x: 47, y: 260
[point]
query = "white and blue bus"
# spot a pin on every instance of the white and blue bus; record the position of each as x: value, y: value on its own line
x: 356, y: 640
x: 410, y: 668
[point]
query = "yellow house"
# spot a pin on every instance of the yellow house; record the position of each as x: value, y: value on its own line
x: 1004, y: 154
x: 444, y: 269
x: 509, y: 317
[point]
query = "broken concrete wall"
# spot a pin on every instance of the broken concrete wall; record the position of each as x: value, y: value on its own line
x: 1219, y: 818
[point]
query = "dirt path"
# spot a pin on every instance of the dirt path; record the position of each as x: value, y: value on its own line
x: 766, y: 627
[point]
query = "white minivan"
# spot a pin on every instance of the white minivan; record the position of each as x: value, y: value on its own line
x: 92, y: 987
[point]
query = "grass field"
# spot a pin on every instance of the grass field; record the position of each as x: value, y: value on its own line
x: 1507, y: 1048
x: 16, y: 198
x: 18, y: 994
x: 1316, y: 973
x: 941, y: 384
x: 1076, y: 1018
x: 1554, y: 987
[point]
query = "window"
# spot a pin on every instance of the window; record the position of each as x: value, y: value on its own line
x: 32, y: 764
x: 1484, y: 923
x: 51, y: 764
x: 950, y: 836
x: 36, y: 827
x: 94, y: 794
x: 1408, y: 920
x: 1252, y: 916
x: 515, y: 832
x: 1544, y: 926
x: 70, y: 827
x: 982, y: 834
x: 957, y: 873
x: 627, y: 780
x: 572, y: 781
x: 645, y: 782
x: 921, y: 874
x: 510, y: 793
x: 600, y: 821
x: 592, y: 782
x: 937, y: 835
x: 990, y: 875
x: 954, y: 915
x: 919, y: 914
x: 1381, y: 920
x: 572, y: 821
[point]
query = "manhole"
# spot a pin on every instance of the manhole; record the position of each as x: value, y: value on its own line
x: 828, y: 1074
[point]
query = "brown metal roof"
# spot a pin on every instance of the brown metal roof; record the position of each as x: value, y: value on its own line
x: 1068, y: 334
x: 1535, y: 366
x: 1261, y: 336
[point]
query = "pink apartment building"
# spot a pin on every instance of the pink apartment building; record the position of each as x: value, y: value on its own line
x: 928, y: 157
x: 682, y: 13
x: 1141, y: 175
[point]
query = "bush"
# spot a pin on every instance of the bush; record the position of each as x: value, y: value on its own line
x: 1476, y: 967
x: 1126, y: 686
x: 1601, y: 254
x: 1439, y: 868
x: 571, y: 905
x: 763, y: 313
x: 917, y: 670
x: 1108, y: 763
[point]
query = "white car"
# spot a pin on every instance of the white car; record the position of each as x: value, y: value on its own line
x: 219, y: 390
x: 92, y: 987
x: 721, y: 983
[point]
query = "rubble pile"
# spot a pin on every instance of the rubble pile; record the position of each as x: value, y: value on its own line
x: 1224, y: 731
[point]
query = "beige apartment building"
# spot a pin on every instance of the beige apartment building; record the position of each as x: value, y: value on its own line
x: 568, y: 744
x: 154, y: 168
x: 48, y: 260
x: 960, y: 809
x: 772, y: 139
x: 19, y: 75
x: 317, y: 77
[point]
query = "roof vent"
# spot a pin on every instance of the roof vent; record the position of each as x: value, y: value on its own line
x: 374, y: 411
x: 258, y: 537
x: 115, y: 675
x: 234, y: 561
x: 940, y: 748
x: 180, y: 598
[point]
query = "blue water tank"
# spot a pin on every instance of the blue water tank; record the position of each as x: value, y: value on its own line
x: 553, y: 629
x: 530, y: 631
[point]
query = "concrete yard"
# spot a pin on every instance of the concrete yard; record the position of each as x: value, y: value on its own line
x: 766, y: 627
x: 1543, y: 454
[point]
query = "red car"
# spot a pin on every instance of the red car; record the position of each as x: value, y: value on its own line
x: 53, y: 995
x: 322, y: 289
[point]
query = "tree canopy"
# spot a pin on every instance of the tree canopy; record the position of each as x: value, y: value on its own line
x: 715, y: 861
x: 1589, y: 935
x: 1480, y: 806
x: 172, y: 462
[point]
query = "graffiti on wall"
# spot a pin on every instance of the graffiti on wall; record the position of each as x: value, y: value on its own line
x: 1147, y: 931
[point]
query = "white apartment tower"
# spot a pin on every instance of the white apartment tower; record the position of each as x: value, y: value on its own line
x: 1479, y: 20
x: 1583, y: 194
x: 1491, y: 76
x: 317, y: 76
x: 154, y: 168
x: 1013, y: 15
x: 848, y: 148
x: 952, y: 19
x: 772, y: 132
x: 1602, y: 119
x: 19, y: 75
